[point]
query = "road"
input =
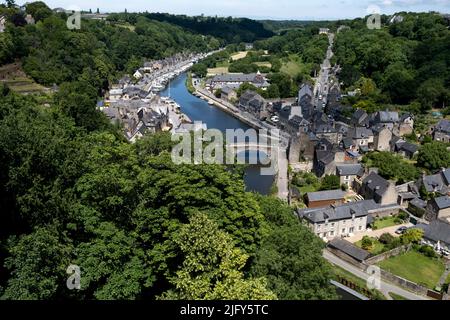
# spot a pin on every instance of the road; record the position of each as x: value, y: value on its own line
x: 322, y: 85
x: 385, y: 286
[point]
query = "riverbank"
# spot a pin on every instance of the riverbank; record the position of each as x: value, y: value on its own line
x: 189, y: 85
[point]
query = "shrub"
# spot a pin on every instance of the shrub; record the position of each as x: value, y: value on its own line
x: 428, y: 251
x: 386, y: 238
x: 366, y: 243
x: 396, y: 242
x: 403, y: 216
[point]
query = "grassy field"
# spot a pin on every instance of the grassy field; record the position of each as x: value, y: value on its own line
x: 239, y: 55
x: 264, y: 64
x: 293, y: 65
x: 385, y: 223
x: 24, y: 85
x: 339, y: 272
x: 377, y: 247
x: 214, y: 71
x: 415, y: 267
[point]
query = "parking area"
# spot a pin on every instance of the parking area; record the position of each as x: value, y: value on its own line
x: 377, y: 233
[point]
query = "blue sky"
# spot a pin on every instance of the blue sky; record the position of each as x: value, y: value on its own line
x: 260, y: 9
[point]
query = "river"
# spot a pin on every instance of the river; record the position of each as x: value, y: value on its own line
x: 199, y: 110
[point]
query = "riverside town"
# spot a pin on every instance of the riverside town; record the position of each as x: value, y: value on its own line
x: 228, y: 159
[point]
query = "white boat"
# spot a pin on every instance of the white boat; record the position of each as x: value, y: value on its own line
x: 210, y: 102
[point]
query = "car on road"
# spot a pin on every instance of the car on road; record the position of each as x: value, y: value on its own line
x: 320, y: 97
x: 324, y: 104
x: 275, y: 119
x: 401, y: 230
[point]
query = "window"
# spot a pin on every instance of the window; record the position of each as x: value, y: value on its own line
x: 318, y: 227
x: 360, y: 228
x: 347, y: 177
x: 343, y: 230
x: 331, y: 233
x: 351, y: 230
x: 332, y: 225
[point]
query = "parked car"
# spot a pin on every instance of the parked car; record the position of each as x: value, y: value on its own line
x: 445, y: 252
x: 401, y: 230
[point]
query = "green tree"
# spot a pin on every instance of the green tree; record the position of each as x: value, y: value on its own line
x: 413, y: 235
x: 367, y: 243
x: 38, y: 263
x: 330, y: 182
x: 434, y: 156
x: 212, y: 266
x: 290, y: 256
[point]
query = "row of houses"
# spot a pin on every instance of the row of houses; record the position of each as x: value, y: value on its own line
x: 235, y: 80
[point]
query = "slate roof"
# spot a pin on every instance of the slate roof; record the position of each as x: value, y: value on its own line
x: 326, y: 195
x: 387, y: 116
x: 442, y: 202
x: 297, y: 121
x: 433, y: 182
x: 376, y: 184
x: 253, y: 77
x: 437, y: 230
x: 349, y: 249
x: 443, y: 126
x: 335, y: 213
x: 446, y: 175
x: 419, y: 203
x: 349, y: 169
x: 305, y: 90
x: 360, y: 132
x: 359, y: 116
x: 409, y: 147
x: 227, y: 90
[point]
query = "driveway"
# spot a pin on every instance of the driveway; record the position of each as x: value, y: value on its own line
x: 377, y: 233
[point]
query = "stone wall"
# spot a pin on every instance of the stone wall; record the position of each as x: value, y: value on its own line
x: 387, y: 254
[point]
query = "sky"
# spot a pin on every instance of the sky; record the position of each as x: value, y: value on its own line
x: 260, y: 9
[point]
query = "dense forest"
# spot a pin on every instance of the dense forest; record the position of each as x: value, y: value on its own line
x: 232, y: 30
x: 405, y: 62
x: 73, y: 191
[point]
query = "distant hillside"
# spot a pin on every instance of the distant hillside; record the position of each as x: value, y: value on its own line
x: 232, y: 30
x: 280, y: 25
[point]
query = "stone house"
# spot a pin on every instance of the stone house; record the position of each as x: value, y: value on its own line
x: 375, y: 187
x: 347, y: 173
x: 438, y: 208
x: 441, y: 132
x: 337, y: 221
x: 228, y: 94
x: 382, y: 139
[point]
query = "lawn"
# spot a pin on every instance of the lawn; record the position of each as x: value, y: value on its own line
x: 24, y: 85
x: 385, y: 222
x: 397, y: 296
x: 293, y: 66
x: 263, y: 64
x: 214, y: 71
x: 339, y: 272
x: 377, y: 247
x: 415, y: 267
x: 239, y: 55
